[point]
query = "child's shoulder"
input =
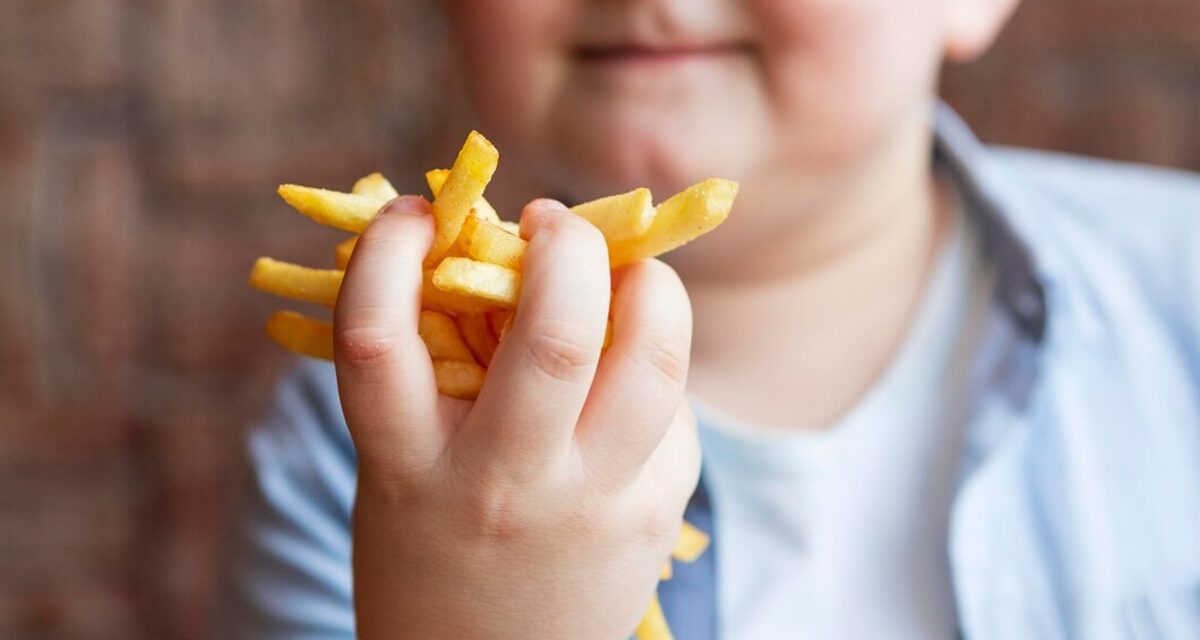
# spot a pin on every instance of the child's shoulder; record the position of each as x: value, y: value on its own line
x: 1123, y: 236
x: 1107, y: 191
x: 1148, y: 217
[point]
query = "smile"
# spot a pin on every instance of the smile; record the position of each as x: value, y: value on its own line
x: 643, y: 54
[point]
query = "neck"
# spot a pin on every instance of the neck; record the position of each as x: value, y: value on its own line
x: 795, y: 331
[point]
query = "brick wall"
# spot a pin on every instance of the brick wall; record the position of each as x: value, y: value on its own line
x: 138, y: 144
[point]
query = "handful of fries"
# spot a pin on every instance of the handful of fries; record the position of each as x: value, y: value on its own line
x: 473, y: 273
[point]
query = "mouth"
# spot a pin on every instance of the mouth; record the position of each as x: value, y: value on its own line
x: 656, y: 54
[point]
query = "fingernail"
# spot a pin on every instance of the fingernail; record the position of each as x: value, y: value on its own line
x: 407, y: 205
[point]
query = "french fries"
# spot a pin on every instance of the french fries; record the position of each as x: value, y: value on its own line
x: 449, y: 302
x: 435, y: 178
x: 343, y: 251
x: 487, y: 241
x: 480, y: 280
x: 622, y: 217
x: 464, y: 185
x: 477, y: 333
x: 457, y: 379
x: 375, y: 186
x: 301, y: 334
x: 654, y: 624
x: 692, y: 542
x: 441, y: 337
x: 472, y: 276
x: 345, y: 211
x: 296, y: 282
x: 682, y: 218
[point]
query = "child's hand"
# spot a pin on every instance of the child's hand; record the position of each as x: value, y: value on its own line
x: 547, y: 507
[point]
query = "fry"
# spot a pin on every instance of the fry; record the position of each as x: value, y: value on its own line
x: 435, y: 178
x: 510, y: 227
x: 346, y: 211
x: 472, y: 170
x: 441, y: 337
x: 301, y: 334
x: 435, y: 299
x: 458, y: 379
x: 296, y: 282
x: 478, y: 335
x: 478, y: 280
x: 375, y: 186
x: 682, y: 218
x: 504, y: 328
x: 343, y: 251
x: 654, y: 624
x: 622, y: 217
x: 692, y: 542
x: 486, y: 241
x: 500, y: 322
x: 666, y: 572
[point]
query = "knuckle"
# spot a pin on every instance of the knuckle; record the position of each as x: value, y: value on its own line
x: 659, y: 527
x: 561, y: 351
x: 491, y: 512
x: 364, y: 347
x: 666, y: 358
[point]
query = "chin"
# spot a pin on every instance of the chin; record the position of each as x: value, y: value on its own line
x: 660, y: 154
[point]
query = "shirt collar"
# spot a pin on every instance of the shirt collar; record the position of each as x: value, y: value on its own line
x: 1019, y: 289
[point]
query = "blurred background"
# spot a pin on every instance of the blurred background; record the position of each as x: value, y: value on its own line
x: 140, y: 142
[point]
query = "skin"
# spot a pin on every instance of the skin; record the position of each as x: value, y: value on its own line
x: 547, y: 507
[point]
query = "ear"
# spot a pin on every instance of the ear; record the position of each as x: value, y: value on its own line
x: 972, y: 26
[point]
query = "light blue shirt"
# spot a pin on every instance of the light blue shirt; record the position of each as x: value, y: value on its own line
x: 1077, y: 507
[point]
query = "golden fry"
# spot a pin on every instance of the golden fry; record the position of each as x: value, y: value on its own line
x: 622, y: 217
x: 458, y: 379
x: 472, y: 170
x: 375, y: 186
x: 510, y: 227
x: 296, y: 282
x: 343, y: 251
x: 435, y: 178
x: 441, y: 337
x: 500, y: 322
x: 483, y: 281
x: 692, y: 542
x: 346, y: 211
x: 301, y: 334
x: 435, y: 299
x: 486, y: 241
x: 684, y: 217
x: 654, y: 624
x: 667, y: 572
x: 478, y: 335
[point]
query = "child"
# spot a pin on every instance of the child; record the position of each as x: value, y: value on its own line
x: 940, y: 390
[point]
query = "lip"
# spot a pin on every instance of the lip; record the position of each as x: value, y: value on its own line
x: 655, y: 54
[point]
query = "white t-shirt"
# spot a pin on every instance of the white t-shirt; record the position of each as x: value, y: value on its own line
x: 841, y: 533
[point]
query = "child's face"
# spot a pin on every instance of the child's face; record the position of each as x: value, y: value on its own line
x: 601, y: 95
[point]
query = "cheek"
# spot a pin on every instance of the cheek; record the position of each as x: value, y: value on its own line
x: 842, y: 73
x: 509, y: 54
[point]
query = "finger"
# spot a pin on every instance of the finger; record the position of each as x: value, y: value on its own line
x: 640, y: 380
x: 540, y: 374
x: 385, y: 377
x: 674, y: 465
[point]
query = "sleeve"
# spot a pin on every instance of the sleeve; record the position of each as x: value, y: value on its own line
x: 287, y: 572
